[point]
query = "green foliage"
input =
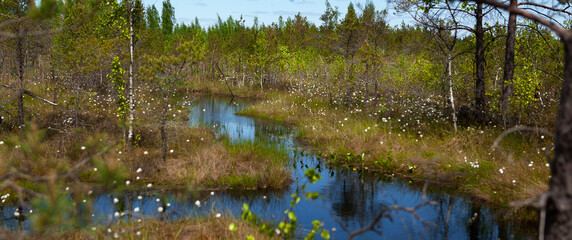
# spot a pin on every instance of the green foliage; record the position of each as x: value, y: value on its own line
x: 52, y: 212
x: 109, y: 176
x: 329, y: 24
x: 152, y: 18
x: 58, y: 204
x: 167, y: 17
x: 232, y: 227
x: 166, y: 72
x: 525, y: 92
x: 47, y: 9
x: 316, y: 229
x: 312, y: 175
x: 117, y: 78
x: 411, y: 168
x: 113, y: 21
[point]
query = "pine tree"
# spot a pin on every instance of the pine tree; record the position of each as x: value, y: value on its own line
x: 167, y: 18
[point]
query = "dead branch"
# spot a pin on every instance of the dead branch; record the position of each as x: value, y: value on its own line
x: 386, y: 212
x: 4, y: 110
x: 29, y: 94
x: 225, y: 81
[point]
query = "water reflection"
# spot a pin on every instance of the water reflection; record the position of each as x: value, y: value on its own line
x: 353, y: 199
x: 349, y: 200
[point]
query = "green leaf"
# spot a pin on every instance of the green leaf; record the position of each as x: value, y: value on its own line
x: 250, y: 237
x: 312, y: 195
x: 312, y: 175
x: 316, y: 224
x: 232, y: 227
x: 292, y: 216
x: 325, y: 234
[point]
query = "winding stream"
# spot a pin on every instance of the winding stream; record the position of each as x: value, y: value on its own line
x: 351, y: 199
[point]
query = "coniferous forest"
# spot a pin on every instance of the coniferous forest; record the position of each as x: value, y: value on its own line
x: 119, y: 121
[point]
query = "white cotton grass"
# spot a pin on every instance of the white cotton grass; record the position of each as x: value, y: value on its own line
x: 501, y: 170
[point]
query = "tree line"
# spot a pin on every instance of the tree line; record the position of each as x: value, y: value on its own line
x: 353, y: 59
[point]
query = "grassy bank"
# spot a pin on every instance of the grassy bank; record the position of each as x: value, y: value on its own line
x: 411, y: 138
x: 204, y: 228
x: 60, y: 137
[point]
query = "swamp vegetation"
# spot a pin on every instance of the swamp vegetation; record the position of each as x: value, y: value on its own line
x: 443, y: 113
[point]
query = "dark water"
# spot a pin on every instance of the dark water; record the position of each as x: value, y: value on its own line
x: 351, y: 199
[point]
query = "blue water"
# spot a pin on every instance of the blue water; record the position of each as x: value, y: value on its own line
x: 350, y: 199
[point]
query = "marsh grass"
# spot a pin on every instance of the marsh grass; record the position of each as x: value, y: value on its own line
x: 417, y: 145
x: 63, y: 135
x: 200, y: 228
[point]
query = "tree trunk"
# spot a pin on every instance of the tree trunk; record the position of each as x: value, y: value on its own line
x: 328, y: 84
x: 474, y: 223
x: 451, y: 96
x: 54, y: 90
x: 480, y: 103
x: 558, y: 205
x: 375, y: 85
x: 21, y: 82
x: 131, y: 97
x: 367, y: 80
x: 163, y: 123
x: 507, y: 83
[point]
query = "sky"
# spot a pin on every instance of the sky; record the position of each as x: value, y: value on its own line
x: 267, y: 11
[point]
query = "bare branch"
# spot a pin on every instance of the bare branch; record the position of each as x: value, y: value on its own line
x: 561, y: 32
x: 385, y: 213
x: 545, y: 7
x: 71, y: 172
x: 29, y: 94
x: 516, y: 129
x: 4, y: 110
x: 542, y: 70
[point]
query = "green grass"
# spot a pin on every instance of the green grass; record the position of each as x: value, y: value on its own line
x: 256, y: 154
